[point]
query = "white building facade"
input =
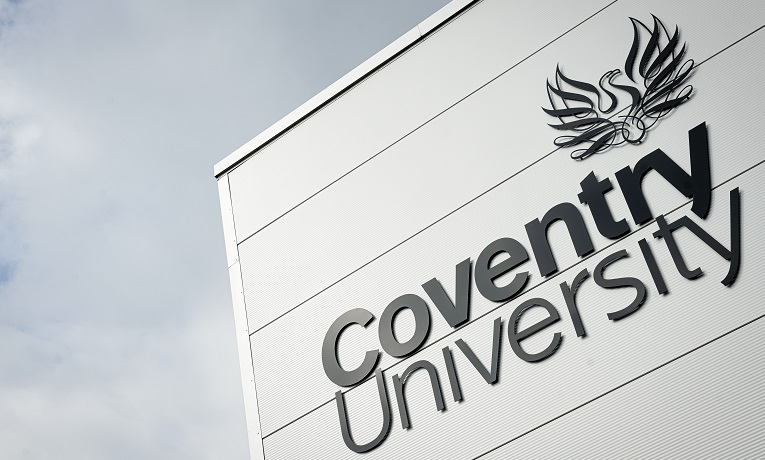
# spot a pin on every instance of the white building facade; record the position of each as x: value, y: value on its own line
x: 425, y: 263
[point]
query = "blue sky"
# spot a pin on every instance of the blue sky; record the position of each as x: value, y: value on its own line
x: 116, y: 330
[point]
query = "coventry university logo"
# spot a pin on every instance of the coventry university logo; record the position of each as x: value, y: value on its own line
x: 658, y: 78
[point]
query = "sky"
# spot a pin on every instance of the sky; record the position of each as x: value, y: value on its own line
x: 116, y: 326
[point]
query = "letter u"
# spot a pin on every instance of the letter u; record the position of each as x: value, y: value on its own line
x: 345, y: 427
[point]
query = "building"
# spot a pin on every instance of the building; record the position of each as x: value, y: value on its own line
x: 418, y: 255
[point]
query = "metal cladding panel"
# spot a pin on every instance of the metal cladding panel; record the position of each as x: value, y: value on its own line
x: 492, y: 37
x: 530, y: 395
x: 480, y: 171
x: 498, y: 131
x: 249, y: 392
x: 710, y: 405
x: 502, y: 212
x: 240, y: 322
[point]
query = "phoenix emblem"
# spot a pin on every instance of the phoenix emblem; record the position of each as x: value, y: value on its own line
x: 658, y: 75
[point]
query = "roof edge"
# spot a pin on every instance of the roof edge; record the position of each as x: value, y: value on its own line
x: 343, y: 84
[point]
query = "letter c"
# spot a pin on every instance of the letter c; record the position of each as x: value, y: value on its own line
x: 332, y: 368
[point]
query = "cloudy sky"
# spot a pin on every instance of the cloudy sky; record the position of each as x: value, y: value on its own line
x: 116, y: 329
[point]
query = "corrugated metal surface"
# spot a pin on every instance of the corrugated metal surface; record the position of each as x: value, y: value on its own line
x: 707, y: 405
x: 249, y: 393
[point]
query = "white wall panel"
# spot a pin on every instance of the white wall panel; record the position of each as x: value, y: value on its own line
x: 249, y: 390
x: 710, y: 405
x: 531, y: 394
x: 444, y: 150
x: 254, y: 433
x: 502, y: 212
x: 436, y: 73
x: 494, y: 133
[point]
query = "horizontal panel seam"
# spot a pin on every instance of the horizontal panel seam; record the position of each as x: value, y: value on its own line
x: 612, y: 390
x: 561, y: 272
x: 421, y: 125
x: 459, y: 208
